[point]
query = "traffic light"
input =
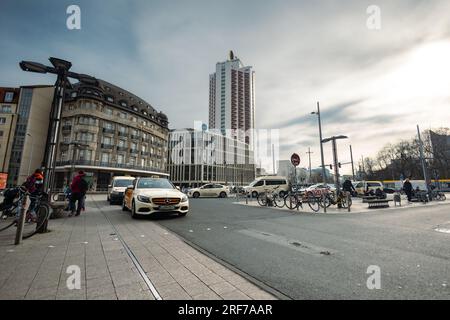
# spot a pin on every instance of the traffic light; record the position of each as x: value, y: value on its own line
x: 339, y: 164
x: 331, y: 167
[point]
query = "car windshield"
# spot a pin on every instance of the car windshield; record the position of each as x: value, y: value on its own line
x: 123, y: 183
x: 155, y: 184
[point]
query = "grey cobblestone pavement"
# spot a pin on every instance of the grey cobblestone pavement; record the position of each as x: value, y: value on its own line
x: 37, y: 268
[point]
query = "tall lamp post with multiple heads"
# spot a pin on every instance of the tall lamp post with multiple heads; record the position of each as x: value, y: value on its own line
x: 61, y: 69
x: 75, y: 145
x: 324, y: 177
x: 335, y: 159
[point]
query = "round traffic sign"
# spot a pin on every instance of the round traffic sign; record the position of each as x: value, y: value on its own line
x: 295, y: 159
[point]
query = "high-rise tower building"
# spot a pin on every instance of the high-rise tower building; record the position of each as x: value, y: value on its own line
x: 232, y: 99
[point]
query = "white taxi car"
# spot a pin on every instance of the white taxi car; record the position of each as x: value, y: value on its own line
x: 152, y: 195
x: 210, y: 190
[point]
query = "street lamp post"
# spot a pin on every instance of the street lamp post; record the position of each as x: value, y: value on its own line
x: 321, y: 146
x: 31, y: 153
x: 61, y: 69
x: 309, y: 167
x: 335, y: 161
x: 351, y: 159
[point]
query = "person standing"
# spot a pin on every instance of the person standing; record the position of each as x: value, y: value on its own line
x: 78, y: 188
x: 34, y: 185
x: 348, y: 187
x: 408, y: 188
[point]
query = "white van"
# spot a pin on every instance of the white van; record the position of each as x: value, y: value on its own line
x: 268, y: 183
x: 117, y: 188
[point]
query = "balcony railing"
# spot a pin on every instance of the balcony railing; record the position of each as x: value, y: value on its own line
x: 107, y: 130
x: 145, y: 153
x: 123, y: 134
x: 108, y: 164
x: 67, y: 127
x: 135, y: 151
x: 122, y: 149
x: 134, y: 136
x: 107, y: 146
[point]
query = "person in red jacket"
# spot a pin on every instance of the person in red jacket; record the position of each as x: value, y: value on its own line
x: 78, y: 188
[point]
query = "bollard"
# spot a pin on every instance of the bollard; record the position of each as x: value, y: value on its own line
x: 324, y: 204
x: 349, y: 199
x: 21, y: 221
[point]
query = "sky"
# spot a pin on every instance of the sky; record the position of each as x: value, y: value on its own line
x: 373, y: 85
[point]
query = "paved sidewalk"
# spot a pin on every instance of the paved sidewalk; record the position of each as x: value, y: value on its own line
x: 36, y: 269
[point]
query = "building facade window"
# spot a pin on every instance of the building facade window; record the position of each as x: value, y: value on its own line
x: 120, y: 158
x: 107, y: 140
x: 9, y: 96
x: 6, y: 108
x: 85, y: 155
x: 2, y: 120
x: 105, y: 157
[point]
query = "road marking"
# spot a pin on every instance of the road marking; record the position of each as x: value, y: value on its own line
x: 142, y: 236
x: 443, y: 230
x: 10, y: 250
x: 85, y: 242
x: 191, y: 231
x: 294, y: 244
x: 209, y: 229
x: 51, y: 246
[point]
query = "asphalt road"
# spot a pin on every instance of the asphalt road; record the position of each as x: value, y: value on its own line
x: 326, y: 256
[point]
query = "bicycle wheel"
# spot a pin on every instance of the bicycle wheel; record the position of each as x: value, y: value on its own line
x: 442, y: 197
x: 313, y: 203
x: 291, y: 201
x: 325, y: 201
x: 262, y: 199
x: 32, y: 227
x: 6, y: 223
x: 346, y: 202
x: 8, y: 217
x: 278, y: 201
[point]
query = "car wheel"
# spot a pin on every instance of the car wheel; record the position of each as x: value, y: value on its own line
x: 254, y: 194
x: 182, y: 214
x: 196, y: 195
x: 223, y: 194
x: 124, y: 207
x: 133, y: 211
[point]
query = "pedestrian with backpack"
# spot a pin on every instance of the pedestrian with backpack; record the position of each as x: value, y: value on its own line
x: 78, y: 188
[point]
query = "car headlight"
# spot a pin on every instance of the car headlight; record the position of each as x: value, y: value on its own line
x: 184, y: 198
x: 144, y: 199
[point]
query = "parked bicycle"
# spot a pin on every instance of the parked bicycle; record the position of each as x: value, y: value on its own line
x: 294, y: 200
x: 438, y: 195
x: 329, y: 198
x: 273, y: 197
x: 35, y: 216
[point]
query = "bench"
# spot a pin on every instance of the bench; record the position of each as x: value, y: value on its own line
x: 378, y: 203
x: 366, y: 199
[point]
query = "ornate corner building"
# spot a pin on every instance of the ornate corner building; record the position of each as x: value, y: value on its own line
x: 107, y: 131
